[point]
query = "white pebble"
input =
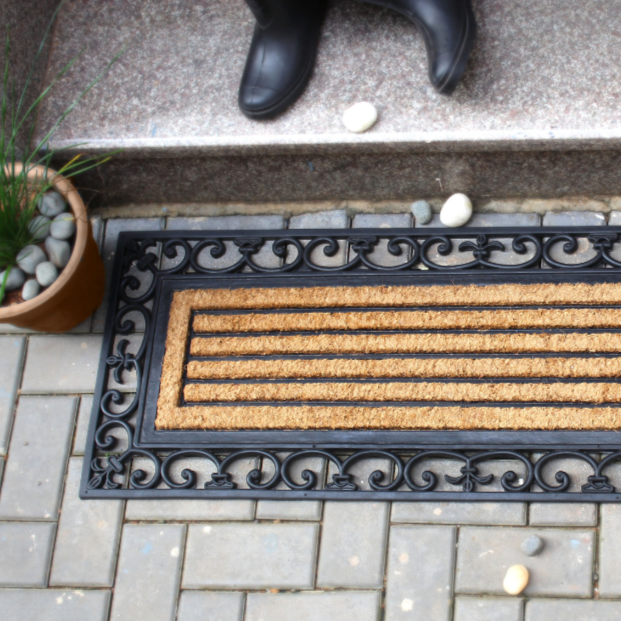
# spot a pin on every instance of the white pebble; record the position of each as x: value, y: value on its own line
x: 516, y: 579
x: 360, y: 117
x: 456, y: 211
x: 58, y: 251
x: 51, y: 204
x: 63, y: 226
x: 40, y: 227
x: 15, y: 280
x: 46, y: 273
x: 29, y: 257
x: 31, y: 290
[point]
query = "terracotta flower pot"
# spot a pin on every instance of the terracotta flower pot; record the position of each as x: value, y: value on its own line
x: 79, y: 289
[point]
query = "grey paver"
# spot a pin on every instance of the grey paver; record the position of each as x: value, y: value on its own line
x: 61, y: 364
x: 250, y: 556
x: 554, y: 609
x: 563, y: 569
x: 309, y: 510
x: 205, y: 606
x: 88, y: 537
x: 614, y: 218
x: 11, y: 359
x: 488, y: 609
x: 419, y: 578
x: 38, y: 456
x: 380, y: 254
x: 353, y: 545
x: 562, y: 514
x: 81, y: 431
x: 180, y: 509
x: 490, y: 219
x: 341, y: 605
x: 108, y: 250
x: 54, y: 605
x: 504, y: 513
x: 149, y: 566
x: 610, y: 551
x: 574, y: 218
x: 337, y: 219
x: 25, y: 550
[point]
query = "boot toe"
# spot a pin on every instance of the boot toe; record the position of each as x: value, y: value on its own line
x: 255, y: 100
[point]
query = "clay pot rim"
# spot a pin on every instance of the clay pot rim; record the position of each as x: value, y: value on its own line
x: 64, y: 187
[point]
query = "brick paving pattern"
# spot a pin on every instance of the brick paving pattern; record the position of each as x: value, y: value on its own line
x: 63, y: 559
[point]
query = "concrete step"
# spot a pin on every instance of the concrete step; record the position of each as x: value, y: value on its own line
x: 536, y: 115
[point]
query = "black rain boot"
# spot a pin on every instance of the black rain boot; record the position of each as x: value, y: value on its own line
x: 449, y: 29
x: 282, y: 55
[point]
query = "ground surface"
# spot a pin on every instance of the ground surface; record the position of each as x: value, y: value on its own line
x: 63, y: 559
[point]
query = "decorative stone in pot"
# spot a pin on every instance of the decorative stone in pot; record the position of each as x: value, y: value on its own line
x: 79, y: 288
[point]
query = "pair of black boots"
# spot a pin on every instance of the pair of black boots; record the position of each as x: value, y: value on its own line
x: 284, y: 46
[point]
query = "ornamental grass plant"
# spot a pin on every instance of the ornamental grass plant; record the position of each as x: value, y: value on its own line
x: 19, y: 195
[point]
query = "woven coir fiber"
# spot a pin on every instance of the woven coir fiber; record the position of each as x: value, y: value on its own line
x: 552, y: 343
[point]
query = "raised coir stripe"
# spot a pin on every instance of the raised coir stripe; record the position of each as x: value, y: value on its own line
x: 389, y: 417
x: 406, y: 391
x: 406, y: 344
x: 401, y: 368
x: 411, y: 320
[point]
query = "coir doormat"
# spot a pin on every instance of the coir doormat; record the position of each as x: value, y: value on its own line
x: 454, y: 365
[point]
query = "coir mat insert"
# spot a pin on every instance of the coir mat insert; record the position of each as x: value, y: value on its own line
x: 475, y: 364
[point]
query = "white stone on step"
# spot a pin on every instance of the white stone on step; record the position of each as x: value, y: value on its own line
x: 29, y: 257
x: 360, y: 117
x: 456, y: 211
x: 51, y: 204
x: 15, y: 280
x: 46, y: 273
x: 31, y: 289
x: 421, y: 210
x: 63, y: 226
x: 58, y: 251
x: 516, y: 579
x: 39, y: 227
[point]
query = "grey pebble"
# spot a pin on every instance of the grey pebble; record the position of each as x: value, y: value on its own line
x: 31, y: 289
x: 421, y: 210
x: 52, y: 204
x: 15, y: 280
x: 29, y: 257
x: 58, y: 251
x: 532, y: 546
x: 46, y: 273
x: 63, y: 226
x: 40, y: 227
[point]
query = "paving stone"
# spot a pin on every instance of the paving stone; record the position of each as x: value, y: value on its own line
x: 488, y: 609
x: 88, y: 537
x: 554, y: 609
x: 504, y: 513
x: 265, y: 257
x: 11, y: 360
x: 39, y: 448
x: 54, y: 605
x: 26, y: 551
x: 340, y: 605
x: 574, y: 218
x: 250, y: 556
x: 61, y: 364
x: 489, y: 219
x: 563, y: 569
x: 204, y: 606
x: 353, y: 545
x: 380, y: 254
x: 113, y: 228
x: 562, y: 514
x: 419, y: 578
x: 337, y: 219
x: 614, y: 218
x: 149, y: 567
x: 84, y: 418
x: 180, y: 509
x: 610, y: 551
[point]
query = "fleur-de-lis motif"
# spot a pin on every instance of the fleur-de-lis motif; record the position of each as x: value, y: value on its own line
x: 481, y: 248
x: 469, y: 476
